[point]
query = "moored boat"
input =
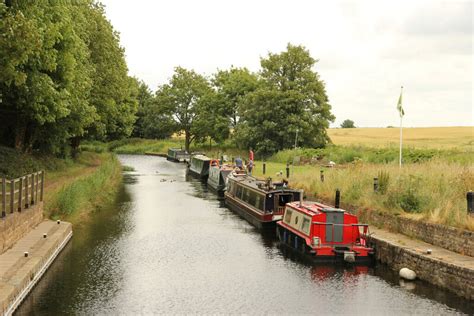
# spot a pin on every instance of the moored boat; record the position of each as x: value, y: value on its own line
x: 262, y: 203
x: 177, y: 155
x: 325, y: 234
x: 218, y: 175
x: 199, y: 166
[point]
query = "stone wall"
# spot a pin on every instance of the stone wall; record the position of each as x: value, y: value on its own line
x: 457, y: 240
x: 16, y: 225
x: 454, y: 278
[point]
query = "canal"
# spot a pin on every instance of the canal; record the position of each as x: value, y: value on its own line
x: 170, y: 246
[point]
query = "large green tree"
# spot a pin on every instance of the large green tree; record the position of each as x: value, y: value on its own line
x: 44, y: 74
x: 62, y: 75
x: 114, y: 93
x: 185, y: 100
x: 292, y: 98
x: 232, y: 86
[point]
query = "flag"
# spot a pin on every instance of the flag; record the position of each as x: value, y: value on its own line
x: 399, y: 105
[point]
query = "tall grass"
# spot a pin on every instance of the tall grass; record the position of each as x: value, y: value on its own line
x: 434, y: 191
x: 87, y: 192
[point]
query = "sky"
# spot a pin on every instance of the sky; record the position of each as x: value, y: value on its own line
x: 366, y: 50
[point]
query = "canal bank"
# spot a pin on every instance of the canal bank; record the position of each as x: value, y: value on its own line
x: 170, y: 246
x: 22, y: 266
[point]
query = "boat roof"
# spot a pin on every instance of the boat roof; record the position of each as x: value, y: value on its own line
x: 177, y: 149
x: 202, y: 157
x: 254, y: 183
x: 313, y: 208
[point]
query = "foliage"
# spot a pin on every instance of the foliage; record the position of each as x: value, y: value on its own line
x: 62, y: 75
x: 232, y: 86
x: 291, y: 98
x: 184, y: 101
x: 348, y: 124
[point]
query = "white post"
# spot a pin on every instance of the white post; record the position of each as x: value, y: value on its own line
x: 401, y: 132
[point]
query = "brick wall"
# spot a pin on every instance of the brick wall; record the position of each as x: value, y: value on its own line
x: 16, y: 225
x: 454, y: 239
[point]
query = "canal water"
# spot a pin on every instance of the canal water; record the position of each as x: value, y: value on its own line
x: 170, y: 246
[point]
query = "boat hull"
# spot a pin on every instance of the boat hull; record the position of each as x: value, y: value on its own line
x: 198, y: 174
x: 297, y: 244
x: 257, y: 219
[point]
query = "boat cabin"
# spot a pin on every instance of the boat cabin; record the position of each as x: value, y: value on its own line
x: 218, y: 176
x: 324, y: 232
x: 260, y: 202
x: 177, y: 154
x: 199, y: 165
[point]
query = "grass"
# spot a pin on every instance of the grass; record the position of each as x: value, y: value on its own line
x: 73, y: 187
x: 430, y: 137
x: 75, y: 200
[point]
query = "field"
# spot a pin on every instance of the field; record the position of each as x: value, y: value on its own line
x: 429, y: 137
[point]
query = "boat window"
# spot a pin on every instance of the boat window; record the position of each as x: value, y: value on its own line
x: 258, y: 202
x: 288, y: 216
x: 239, y: 192
x: 305, y: 225
x: 284, y: 198
x: 252, y: 197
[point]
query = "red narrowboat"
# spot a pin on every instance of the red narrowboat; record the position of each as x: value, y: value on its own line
x: 324, y: 233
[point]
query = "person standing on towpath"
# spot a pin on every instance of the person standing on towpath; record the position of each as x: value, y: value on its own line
x: 250, y: 164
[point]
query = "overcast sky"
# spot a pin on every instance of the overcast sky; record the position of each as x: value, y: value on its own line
x: 366, y: 49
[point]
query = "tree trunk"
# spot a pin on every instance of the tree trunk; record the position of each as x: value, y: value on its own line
x: 187, y: 140
x: 75, y: 142
x: 20, y: 131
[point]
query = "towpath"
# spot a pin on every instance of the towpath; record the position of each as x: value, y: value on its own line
x: 19, y: 273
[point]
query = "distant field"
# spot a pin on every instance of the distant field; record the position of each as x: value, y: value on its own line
x: 429, y: 137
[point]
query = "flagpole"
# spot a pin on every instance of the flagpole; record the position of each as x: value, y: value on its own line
x: 401, y: 132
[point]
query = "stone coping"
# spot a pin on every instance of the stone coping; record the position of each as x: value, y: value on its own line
x: 18, y: 274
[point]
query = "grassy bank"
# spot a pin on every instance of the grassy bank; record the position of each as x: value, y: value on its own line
x: 75, y: 199
x: 73, y: 187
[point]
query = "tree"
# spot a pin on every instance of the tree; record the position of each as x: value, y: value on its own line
x: 44, y: 75
x: 232, y: 86
x: 291, y: 98
x: 145, y: 101
x: 183, y: 99
x: 348, y: 124
x: 113, y: 92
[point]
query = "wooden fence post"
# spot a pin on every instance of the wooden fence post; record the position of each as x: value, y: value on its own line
x: 4, y: 197
x: 36, y: 186
x: 12, y: 194
x: 27, y: 204
x: 32, y: 189
x: 20, y: 195
x: 42, y: 185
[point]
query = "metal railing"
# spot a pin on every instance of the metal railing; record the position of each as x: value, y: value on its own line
x: 21, y: 193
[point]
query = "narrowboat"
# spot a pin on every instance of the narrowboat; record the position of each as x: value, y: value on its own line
x: 177, y: 155
x: 261, y: 203
x: 199, y: 166
x: 324, y: 233
x: 218, y: 176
